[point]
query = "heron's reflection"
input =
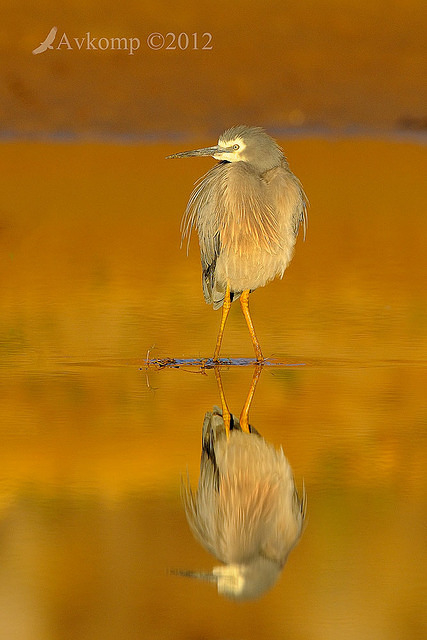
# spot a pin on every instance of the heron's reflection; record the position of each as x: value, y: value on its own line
x: 246, y: 510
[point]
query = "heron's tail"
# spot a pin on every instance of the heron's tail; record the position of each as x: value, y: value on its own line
x: 214, y: 428
x: 215, y: 295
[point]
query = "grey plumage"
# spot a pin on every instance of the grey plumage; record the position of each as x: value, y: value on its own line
x: 246, y: 510
x: 247, y: 214
x: 247, y: 211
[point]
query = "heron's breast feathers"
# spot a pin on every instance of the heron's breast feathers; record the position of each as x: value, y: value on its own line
x: 235, y: 209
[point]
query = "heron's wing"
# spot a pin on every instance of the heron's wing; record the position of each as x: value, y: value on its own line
x: 200, y: 515
x: 213, y: 428
x: 201, y: 506
x: 287, y: 197
x: 288, y: 522
x: 202, y: 213
x: 211, y: 293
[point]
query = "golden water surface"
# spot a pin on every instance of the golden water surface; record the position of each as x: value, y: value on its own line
x: 92, y: 443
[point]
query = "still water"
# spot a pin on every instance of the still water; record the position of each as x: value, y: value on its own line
x: 93, y: 442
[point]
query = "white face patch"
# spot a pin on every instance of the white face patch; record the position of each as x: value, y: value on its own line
x: 236, y: 155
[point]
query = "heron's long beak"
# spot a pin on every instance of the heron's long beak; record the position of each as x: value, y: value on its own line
x: 199, y: 575
x: 207, y: 151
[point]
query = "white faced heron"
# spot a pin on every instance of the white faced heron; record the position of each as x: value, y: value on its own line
x: 247, y: 211
x: 246, y: 510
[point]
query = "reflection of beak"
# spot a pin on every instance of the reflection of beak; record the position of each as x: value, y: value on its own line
x: 199, y: 575
x: 207, y: 151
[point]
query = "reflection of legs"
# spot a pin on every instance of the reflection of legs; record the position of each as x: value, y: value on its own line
x: 244, y: 416
x: 224, y: 406
x: 244, y: 303
x: 225, y: 309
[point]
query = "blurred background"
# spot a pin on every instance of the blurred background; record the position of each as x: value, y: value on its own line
x: 318, y: 65
x: 93, y: 281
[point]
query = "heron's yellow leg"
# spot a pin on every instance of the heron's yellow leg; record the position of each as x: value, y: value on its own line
x: 244, y: 416
x: 225, y: 410
x: 225, y: 310
x: 244, y: 303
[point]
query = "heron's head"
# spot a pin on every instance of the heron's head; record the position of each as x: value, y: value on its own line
x: 246, y: 581
x: 242, y: 144
x: 241, y: 581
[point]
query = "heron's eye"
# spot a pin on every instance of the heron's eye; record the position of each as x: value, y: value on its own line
x: 236, y: 147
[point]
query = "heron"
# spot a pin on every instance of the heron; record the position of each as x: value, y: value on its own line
x: 246, y: 510
x: 247, y: 210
